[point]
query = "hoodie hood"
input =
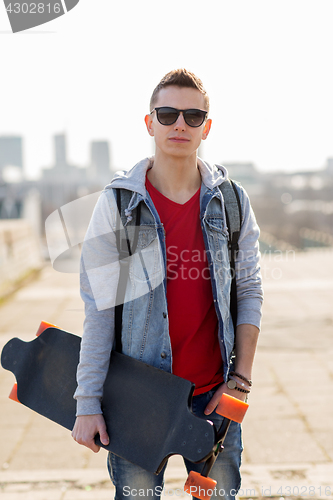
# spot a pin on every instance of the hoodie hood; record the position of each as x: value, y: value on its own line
x: 135, y: 178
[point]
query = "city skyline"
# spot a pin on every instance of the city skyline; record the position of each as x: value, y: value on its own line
x: 99, y: 151
x: 11, y: 152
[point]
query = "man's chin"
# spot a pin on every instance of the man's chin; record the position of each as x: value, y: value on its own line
x: 178, y: 152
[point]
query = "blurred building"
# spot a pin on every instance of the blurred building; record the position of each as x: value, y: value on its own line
x: 247, y: 175
x: 62, y: 172
x: 11, y: 156
x: 329, y: 166
x: 99, y: 167
x: 60, y: 151
x: 297, y: 207
x: 62, y: 182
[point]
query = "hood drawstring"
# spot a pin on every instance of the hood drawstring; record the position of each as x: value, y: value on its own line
x: 128, y: 211
x: 128, y: 214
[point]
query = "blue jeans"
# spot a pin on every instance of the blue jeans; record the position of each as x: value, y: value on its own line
x: 133, y: 482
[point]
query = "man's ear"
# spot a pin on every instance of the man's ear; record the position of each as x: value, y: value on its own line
x: 149, y: 125
x: 206, y: 129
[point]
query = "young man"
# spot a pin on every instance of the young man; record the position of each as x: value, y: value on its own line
x: 185, y: 325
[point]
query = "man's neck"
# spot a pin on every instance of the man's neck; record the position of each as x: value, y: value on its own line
x: 176, y: 178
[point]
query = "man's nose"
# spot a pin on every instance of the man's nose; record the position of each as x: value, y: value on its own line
x: 180, y: 123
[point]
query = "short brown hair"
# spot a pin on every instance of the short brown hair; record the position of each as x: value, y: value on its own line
x: 180, y: 78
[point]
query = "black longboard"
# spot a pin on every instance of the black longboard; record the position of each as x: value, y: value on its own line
x: 147, y: 410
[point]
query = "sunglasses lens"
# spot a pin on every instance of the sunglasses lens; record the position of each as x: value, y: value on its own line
x: 167, y: 116
x: 194, y: 117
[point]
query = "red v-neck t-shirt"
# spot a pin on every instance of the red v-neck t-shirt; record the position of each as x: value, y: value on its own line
x: 192, y: 317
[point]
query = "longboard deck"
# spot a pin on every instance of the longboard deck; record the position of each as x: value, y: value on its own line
x: 146, y: 410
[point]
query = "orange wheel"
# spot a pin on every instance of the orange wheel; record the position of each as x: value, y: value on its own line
x: 232, y: 408
x: 199, y: 486
x: 13, y: 394
x: 43, y: 326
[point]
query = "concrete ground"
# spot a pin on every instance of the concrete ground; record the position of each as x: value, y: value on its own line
x: 288, y: 431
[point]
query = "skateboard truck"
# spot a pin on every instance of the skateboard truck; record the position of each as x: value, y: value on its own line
x: 199, y: 485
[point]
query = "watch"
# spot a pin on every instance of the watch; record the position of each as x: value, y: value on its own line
x: 231, y: 384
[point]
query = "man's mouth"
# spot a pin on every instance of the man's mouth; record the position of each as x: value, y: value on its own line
x: 179, y: 139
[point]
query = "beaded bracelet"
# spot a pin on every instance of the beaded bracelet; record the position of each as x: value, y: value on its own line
x: 242, y: 390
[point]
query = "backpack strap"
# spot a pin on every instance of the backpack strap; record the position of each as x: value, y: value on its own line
x: 234, y: 220
x: 125, y: 248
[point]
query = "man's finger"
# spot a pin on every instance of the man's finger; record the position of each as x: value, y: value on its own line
x: 103, y: 435
x: 93, y: 446
x: 212, y: 404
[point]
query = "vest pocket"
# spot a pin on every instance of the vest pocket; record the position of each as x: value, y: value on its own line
x: 217, y: 224
x: 146, y: 263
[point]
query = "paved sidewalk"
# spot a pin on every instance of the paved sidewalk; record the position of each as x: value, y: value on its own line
x: 288, y: 432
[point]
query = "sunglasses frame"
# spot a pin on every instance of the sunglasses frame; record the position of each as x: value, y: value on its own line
x: 183, y: 111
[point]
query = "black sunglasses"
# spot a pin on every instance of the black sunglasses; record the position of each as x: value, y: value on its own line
x: 168, y: 116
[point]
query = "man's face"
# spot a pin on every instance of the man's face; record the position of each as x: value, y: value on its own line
x: 178, y: 139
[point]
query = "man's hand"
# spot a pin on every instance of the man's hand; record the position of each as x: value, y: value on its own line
x: 85, y: 429
x: 246, y: 341
x: 218, y: 394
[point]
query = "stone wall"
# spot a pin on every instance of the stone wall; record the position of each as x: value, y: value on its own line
x: 20, y: 252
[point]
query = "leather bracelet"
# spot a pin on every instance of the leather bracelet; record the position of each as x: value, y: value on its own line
x: 242, y: 378
x: 240, y: 383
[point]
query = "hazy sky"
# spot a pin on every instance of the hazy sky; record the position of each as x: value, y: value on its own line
x: 266, y: 64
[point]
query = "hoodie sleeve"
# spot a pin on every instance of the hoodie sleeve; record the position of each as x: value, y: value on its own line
x: 99, y: 274
x: 248, y: 277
